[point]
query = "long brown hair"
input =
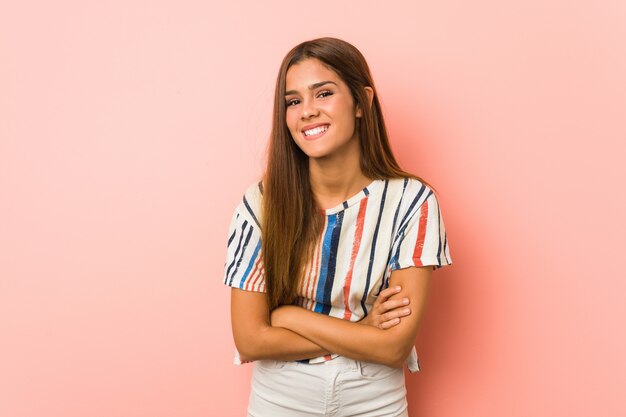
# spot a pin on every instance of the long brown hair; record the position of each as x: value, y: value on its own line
x: 291, y: 218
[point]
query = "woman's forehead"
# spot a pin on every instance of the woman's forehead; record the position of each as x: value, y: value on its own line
x: 308, y: 72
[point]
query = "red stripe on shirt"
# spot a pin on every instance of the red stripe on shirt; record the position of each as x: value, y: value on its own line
x: 421, y: 235
x: 251, y: 282
x: 358, y: 233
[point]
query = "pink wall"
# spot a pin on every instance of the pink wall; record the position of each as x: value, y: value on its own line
x: 128, y: 132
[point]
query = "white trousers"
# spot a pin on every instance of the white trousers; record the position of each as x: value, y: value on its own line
x: 340, y: 387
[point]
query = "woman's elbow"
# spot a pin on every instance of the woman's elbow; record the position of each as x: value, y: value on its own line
x: 246, y: 351
x: 395, y: 357
x: 250, y: 346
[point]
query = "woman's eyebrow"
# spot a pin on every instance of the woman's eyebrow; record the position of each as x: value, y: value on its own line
x: 311, y: 87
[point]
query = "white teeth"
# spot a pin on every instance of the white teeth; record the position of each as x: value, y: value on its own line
x: 315, y: 130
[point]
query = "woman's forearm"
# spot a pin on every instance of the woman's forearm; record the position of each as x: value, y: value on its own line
x: 280, y: 344
x: 349, y: 339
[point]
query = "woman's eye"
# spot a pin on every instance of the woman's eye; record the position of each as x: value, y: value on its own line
x: 292, y: 102
x: 325, y: 93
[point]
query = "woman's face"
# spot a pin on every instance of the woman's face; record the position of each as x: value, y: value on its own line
x: 320, y: 111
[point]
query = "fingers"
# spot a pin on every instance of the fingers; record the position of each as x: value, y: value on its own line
x: 387, y: 313
x: 395, y: 314
x: 388, y: 324
x: 392, y: 318
x: 388, y: 292
x: 383, y: 297
x: 393, y: 304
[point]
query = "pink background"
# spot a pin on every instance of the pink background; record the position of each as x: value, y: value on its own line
x: 129, y: 130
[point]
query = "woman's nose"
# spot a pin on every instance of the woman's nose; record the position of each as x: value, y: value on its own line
x: 309, y: 109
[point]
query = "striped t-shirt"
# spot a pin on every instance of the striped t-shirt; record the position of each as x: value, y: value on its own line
x: 388, y: 225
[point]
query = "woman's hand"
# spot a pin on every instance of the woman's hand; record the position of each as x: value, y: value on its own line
x: 386, y: 313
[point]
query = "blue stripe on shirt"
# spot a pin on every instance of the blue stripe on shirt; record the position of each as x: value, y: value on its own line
x: 244, y: 278
x: 326, y: 244
x: 332, y: 263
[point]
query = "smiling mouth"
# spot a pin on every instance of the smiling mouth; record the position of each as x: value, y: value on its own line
x: 315, y: 132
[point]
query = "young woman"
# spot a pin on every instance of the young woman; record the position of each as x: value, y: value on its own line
x: 330, y: 255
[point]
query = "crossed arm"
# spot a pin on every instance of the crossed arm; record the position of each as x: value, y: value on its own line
x: 385, y: 336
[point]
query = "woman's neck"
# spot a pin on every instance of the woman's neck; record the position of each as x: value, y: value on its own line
x: 335, y: 181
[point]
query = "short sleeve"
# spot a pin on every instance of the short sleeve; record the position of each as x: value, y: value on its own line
x: 244, y: 265
x: 421, y: 238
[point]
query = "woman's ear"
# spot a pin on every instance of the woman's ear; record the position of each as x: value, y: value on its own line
x: 370, y: 98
